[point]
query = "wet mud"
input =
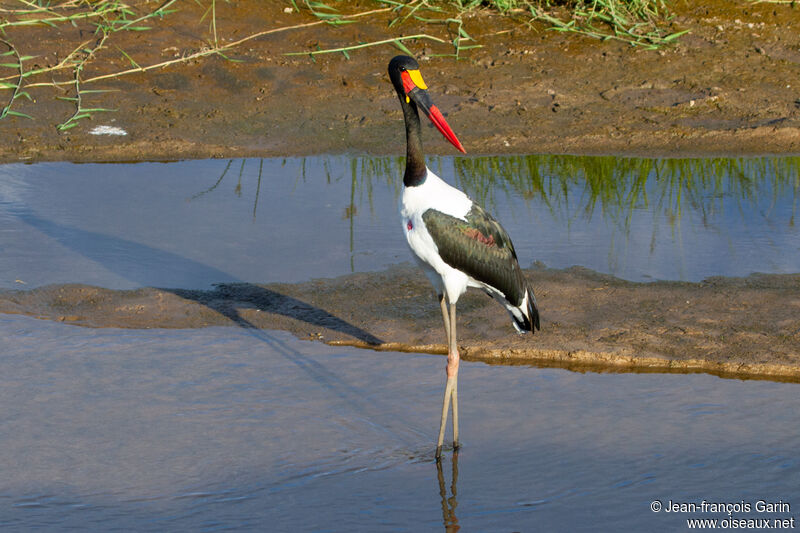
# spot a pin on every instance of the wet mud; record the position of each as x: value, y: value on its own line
x: 728, y: 87
x: 732, y: 327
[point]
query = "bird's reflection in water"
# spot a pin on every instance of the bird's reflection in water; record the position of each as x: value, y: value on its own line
x: 449, y: 504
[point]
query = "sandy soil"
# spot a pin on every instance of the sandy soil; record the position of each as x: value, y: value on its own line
x: 729, y: 87
x: 732, y: 86
x: 743, y: 327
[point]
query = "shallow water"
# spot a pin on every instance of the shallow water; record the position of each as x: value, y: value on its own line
x: 227, y: 428
x: 194, y: 223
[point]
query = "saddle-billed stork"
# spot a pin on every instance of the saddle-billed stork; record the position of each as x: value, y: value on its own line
x: 456, y: 242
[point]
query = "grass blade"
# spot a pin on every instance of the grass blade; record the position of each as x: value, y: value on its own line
x: 12, y: 113
x: 402, y: 47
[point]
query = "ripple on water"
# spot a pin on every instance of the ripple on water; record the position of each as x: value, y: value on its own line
x: 144, y: 430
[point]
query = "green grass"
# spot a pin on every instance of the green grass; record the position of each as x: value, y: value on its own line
x: 97, y: 22
x: 444, y: 24
x: 104, y: 17
x: 637, y: 22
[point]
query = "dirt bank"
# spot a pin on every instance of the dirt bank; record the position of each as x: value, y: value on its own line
x: 734, y: 327
x: 729, y: 87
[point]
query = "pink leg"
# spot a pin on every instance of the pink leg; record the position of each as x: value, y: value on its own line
x: 450, y: 391
x: 452, y: 368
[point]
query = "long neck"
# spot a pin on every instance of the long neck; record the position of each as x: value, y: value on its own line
x: 415, y: 161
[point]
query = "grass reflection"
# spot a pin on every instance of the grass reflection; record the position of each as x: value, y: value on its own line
x: 723, y: 195
x: 582, y: 184
x: 615, y: 185
x: 618, y: 186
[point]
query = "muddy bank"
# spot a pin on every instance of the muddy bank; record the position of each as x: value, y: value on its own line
x: 728, y: 87
x: 734, y: 327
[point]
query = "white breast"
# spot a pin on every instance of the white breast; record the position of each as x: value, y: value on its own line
x: 434, y: 193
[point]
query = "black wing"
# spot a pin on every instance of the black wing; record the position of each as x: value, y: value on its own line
x: 480, y: 247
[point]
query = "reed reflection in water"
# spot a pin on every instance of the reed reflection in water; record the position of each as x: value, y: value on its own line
x: 636, y: 218
x: 292, y: 220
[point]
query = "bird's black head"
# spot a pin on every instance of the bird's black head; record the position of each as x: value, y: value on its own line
x: 397, y: 66
x: 413, y: 93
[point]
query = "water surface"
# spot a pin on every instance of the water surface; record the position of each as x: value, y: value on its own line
x: 224, y: 428
x: 194, y: 223
x: 229, y: 428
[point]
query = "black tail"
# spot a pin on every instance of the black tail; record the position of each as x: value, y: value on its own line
x: 533, y: 311
x: 529, y: 319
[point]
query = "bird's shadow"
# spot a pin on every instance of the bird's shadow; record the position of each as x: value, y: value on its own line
x: 137, y: 263
x: 228, y: 298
